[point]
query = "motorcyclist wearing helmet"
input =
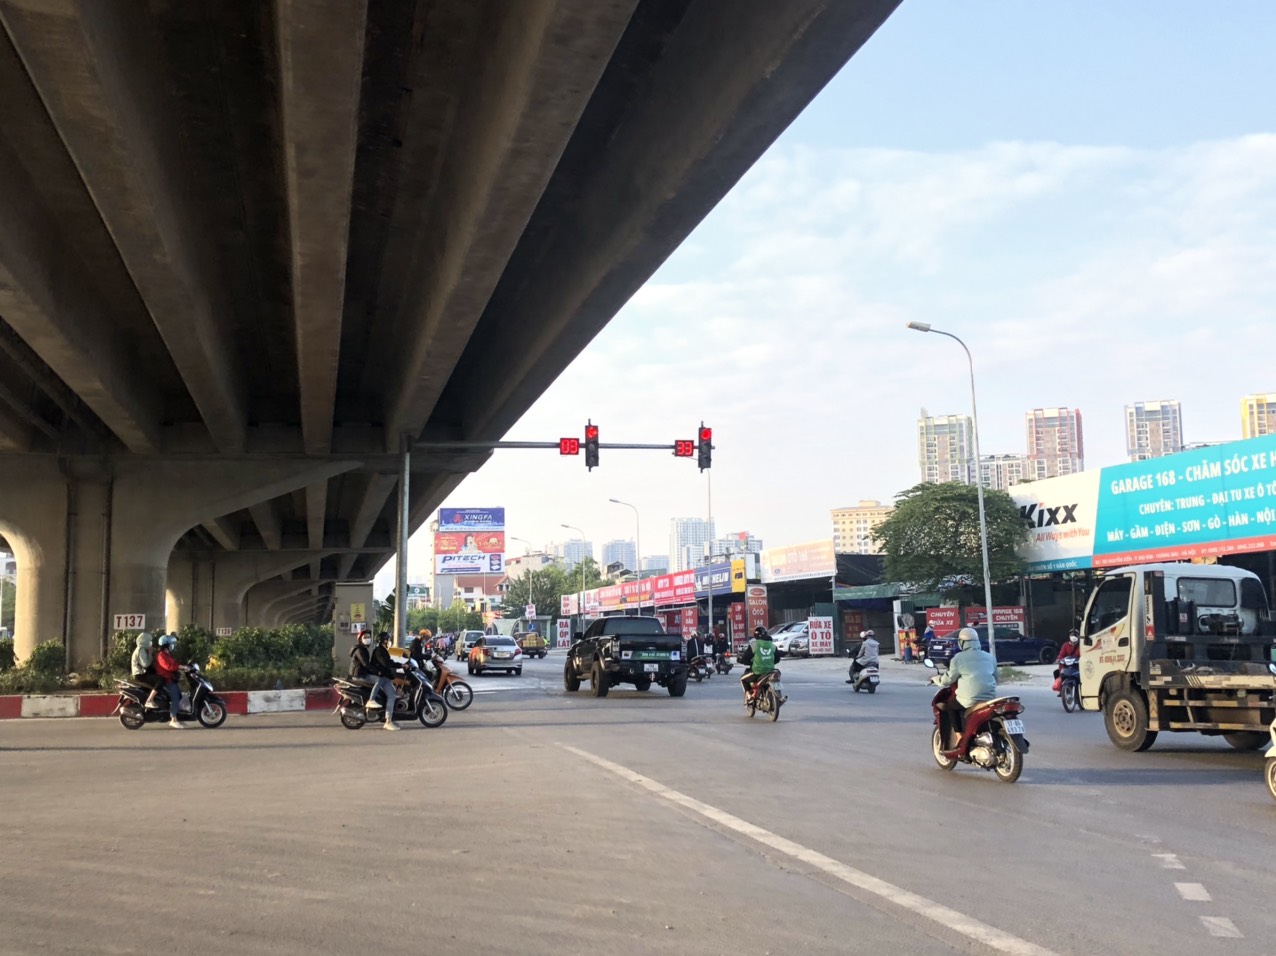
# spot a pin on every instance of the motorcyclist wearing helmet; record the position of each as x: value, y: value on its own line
x: 1071, y: 648
x: 720, y: 645
x: 695, y: 646
x: 867, y: 654
x: 419, y: 650
x: 973, y: 670
x: 142, y: 666
x: 168, y: 669
x: 758, y: 657
x: 382, y: 668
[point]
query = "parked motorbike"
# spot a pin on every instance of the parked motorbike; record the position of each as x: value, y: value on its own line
x: 420, y: 702
x: 1070, y: 684
x: 766, y: 695
x: 992, y: 737
x: 200, y: 703
x: 698, y: 668
x: 1271, y: 763
x: 867, y: 679
x: 723, y: 664
x: 456, y: 693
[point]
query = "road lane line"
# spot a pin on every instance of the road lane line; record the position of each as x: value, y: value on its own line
x: 1194, y: 892
x: 945, y: 916
x: 1222, y: 926
x: 1169, y: 861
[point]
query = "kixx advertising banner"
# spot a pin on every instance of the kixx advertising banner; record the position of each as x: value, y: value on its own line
x: 1202, y: 503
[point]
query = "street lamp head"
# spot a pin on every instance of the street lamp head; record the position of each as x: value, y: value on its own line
x: 919, y: 326
x: 615, y: 501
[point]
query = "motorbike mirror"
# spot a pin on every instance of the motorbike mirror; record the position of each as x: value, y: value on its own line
x: 929, y: 663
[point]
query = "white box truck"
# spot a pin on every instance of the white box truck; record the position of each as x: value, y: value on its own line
x: 1179, y: 647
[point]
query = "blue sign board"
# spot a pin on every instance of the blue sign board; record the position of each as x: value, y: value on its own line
x: 719, y: 573
x: 471, y: 519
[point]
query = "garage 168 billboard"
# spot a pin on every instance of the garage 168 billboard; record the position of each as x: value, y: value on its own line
x: 1194, y: 504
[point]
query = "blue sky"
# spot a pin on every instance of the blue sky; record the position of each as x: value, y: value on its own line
x: 1085, y: 192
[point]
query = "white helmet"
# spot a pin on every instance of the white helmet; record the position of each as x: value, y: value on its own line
x: 968, y: 639
x: 868, y: 633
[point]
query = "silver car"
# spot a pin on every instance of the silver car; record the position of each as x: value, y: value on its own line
x: 787, y: 632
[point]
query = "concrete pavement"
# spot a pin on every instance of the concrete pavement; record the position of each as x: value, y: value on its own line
x: 540, y: 821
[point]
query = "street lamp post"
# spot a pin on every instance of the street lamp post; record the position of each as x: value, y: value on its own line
x: 979, y: 482
x: 580, y: 595
x: 637, y: 545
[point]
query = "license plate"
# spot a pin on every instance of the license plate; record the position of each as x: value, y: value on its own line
x: 1013, y: 726
x: 502, y: 655
x: 873, y: 678
x: 651, y: 668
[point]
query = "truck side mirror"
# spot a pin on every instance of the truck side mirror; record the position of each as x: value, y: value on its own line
x: 1088, y: 641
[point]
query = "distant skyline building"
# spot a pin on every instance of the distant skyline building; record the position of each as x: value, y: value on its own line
x: 1055, y: 443
x: 655, y: 564
x: 572, y: 553
x: 944, y: 444
x: 853, y: 527
x: 735, y: 544
x: 1258, y: 415
x: 689, y: 538
x: 1153, y: 429
x: 625, y: 552
x: 517, y: 566
x: 999, y: 472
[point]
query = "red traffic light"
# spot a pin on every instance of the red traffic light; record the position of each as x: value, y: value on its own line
x: 684, y: 448
x: 706, y: 435
x: 591, y: 433
x: 569, y: 446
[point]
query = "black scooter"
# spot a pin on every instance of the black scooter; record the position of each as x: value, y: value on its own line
x: 419, y: 703
x: 722, y: 664
x: 698, y: 668
x: 202, y: 703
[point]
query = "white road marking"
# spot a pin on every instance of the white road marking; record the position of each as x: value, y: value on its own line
x: 945, y: 916
x: 1193, y: 892
x: 1222, y: 926
x: 1169, y: 861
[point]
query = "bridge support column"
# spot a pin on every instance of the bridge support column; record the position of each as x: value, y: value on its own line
x: 264, y: 600
x: 235, y: 573
x: 33, y: 515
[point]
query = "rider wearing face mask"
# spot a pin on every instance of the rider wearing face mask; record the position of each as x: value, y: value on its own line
x: 167, y: 668
x: 974, y: 671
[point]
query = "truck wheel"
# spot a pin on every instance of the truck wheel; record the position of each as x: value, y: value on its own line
x: 571, y: 682
x: 677, y: 686
x: 1246, y: 739
x: 599, y: 683
x: 1125, y: 716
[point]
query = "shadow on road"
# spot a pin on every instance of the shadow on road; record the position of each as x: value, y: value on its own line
x: 1133, y: 777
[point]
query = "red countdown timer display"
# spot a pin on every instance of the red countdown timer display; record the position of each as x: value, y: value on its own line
x: 570, y: 446
x: 684, y: 448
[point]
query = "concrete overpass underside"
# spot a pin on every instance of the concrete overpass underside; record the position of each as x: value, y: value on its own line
x: 249, y: 248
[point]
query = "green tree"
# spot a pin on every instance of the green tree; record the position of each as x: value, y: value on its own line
x: 459, y: 617
x: 932, y: 537
x: 543, y: 587
x: 420, y: 617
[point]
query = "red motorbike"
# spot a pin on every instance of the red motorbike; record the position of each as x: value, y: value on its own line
x: 767, y: 695
x: 993, y: 735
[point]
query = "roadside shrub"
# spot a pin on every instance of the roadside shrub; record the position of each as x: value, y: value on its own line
x: 304, y: 673
x: 88, y: 677
x: 7, y: 658
x: 119, y: 651
x: 47, y: 660
x: 253, y: 647
x: 21, y: 680
x: 194, y: 644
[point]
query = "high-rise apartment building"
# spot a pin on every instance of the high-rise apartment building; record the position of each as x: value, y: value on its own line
x: 625, y: 552
x: 735, y: 544
x: 1055, y: 445
x: 999, y: 472
x: 573, y: 553
x: 1258, y: 415
x: 944, y: 444
x: 1153, y: 429
x: 853, y: 527
x: 688, y: 542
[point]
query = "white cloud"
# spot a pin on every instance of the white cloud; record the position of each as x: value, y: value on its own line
x: 1080, y: 276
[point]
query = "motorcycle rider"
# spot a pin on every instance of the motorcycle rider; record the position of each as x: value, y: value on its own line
x: 974, y: 671
x: 695, y: 647
x: 867, y: 654
x: 758, y: 657
x: 361, y: 669
x: 142, y: 666
x: 1071, y: 648
x: 382, y: 668
x: 167, y: 668
x: 417, y: 650
x: 720, y: 646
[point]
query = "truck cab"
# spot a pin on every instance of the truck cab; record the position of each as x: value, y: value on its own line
x: 1179, y: 647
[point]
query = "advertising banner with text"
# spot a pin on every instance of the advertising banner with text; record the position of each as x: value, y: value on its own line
x: 755, y: 601
x: 739, y: 617
x: 795, y: 562
x: 1206, y: 502
x: 1001, y: 617
x: 943, y: 619
x: 470, y: 541
x: 564, y: 636
x: 478, y: 563
x: 821, y: 631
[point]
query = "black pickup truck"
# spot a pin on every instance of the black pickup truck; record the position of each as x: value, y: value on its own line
x: 626, y: 650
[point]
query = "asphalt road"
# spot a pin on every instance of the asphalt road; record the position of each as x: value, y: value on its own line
x: 544, y: 822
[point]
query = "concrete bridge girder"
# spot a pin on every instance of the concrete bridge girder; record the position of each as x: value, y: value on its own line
x: 264, y: 600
